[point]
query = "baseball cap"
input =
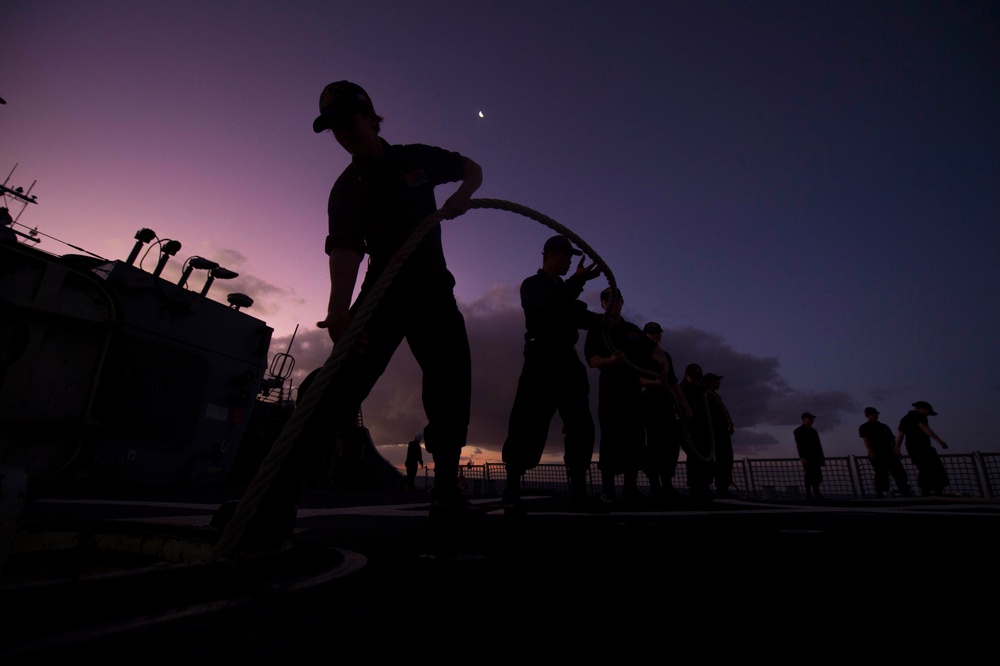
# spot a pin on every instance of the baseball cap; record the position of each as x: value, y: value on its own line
x: 560, y: 244
x: 338, y: 101
x: 652, y: 327
x: 923, y: 404
x: 608, y: 293
x: 871, y: 410
x: 807, y: 415
x: 711, y: 377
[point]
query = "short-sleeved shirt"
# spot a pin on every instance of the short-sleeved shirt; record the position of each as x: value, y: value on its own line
x: 374, y: 208
x: 414, y: 454
x: 808, y: 445
x: 553, y: 315
x: 909, y: 425
x: 626, y: 338
x: 647, y: 362
x: 878, y: 434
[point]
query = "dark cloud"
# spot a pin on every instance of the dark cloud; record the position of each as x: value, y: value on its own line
x: 750, y: 443
x: 828, y: 406
x: 753, y: 389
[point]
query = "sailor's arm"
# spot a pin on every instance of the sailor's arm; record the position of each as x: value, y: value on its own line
x: 933, y: 435
x: 458, y: 203
x: 344, y: 264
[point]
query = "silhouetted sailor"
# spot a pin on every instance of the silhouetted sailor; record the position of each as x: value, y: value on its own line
x: 914, y: 428
x: 883, y: 453
x: 722, y: 430
x: 553, y: 379
x: 414, y: 459
x: 701, y: 439
x: 375, y: 205
x: 619, y: 406
x: 810, y: 452
x: 664, y: 409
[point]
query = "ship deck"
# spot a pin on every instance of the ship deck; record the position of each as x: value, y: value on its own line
x: 126, y: 577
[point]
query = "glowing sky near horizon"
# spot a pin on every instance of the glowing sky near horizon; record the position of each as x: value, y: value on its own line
x: 805, y: 195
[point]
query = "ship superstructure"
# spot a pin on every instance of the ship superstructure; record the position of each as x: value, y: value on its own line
x: 111, y: 373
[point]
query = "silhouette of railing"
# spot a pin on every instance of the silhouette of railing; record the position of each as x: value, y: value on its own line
x: 974, y: 475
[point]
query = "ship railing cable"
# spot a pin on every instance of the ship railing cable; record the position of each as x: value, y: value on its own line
x: 232, y: 535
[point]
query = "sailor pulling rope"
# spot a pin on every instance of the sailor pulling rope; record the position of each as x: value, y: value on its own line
x: 236, y: 527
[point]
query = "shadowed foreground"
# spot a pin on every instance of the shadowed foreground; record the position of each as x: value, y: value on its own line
x: 376, y: 583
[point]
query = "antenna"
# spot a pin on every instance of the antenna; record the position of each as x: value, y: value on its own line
x: 237, y: 301
x: 278, y: 368
x: 24, y: 198
x: 281, y: 367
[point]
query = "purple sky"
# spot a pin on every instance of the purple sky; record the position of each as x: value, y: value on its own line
x: 805, y: 195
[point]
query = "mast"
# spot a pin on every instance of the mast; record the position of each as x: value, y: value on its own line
x: 18, y: 195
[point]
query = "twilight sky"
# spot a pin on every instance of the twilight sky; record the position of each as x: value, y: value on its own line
x: 806, y: 195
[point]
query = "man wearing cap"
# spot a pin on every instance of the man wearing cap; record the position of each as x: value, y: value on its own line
x: 553, y: 379
x: 663, y: 407
x: 374, y: 206
x: 883, y: 453
x: 414, y: 459
x: 810, y: 452
x: 914, y: 428
x: 619, y: 400
x: 700, y: 435
x: 722, y: 429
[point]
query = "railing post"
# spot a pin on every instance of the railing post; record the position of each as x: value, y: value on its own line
x: 751, y: 482
x: 851, y: 474
x: 984, y: 468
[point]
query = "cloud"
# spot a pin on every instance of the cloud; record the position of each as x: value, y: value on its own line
x: 828, y: 406
x: 753, y: 388
x: 269, y: 298
x: 228, y: 257
x: 750, y: 443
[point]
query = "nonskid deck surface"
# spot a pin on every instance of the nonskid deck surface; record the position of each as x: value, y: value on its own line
x: 365, y: 566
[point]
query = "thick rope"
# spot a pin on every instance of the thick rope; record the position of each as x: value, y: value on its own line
x: 579, y: 242
x: 235, y: 529
x: 687, y: 442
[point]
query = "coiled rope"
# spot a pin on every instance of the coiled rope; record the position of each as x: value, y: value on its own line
x: 232, y: 534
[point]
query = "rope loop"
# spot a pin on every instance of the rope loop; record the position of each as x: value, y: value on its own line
x: 234, y: 530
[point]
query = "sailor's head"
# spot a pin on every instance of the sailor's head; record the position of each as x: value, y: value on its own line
x: 340, y: 103
x: 609, y: 295
x: 560, y: 244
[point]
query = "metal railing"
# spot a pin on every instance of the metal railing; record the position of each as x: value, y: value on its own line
x: 974, y: 475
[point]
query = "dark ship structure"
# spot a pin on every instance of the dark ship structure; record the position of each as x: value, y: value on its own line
x: 111, y: 375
